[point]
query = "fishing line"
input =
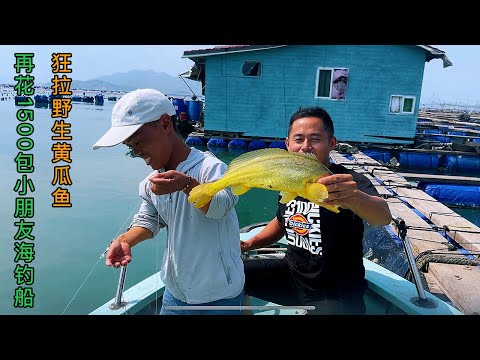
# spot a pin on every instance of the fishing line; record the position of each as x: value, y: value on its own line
x: 96, y: 264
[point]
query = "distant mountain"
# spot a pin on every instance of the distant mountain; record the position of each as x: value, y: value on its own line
x: 96, y: 84
x: 137, y: 79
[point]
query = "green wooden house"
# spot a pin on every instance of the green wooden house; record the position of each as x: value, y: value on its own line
x: 372, y: 92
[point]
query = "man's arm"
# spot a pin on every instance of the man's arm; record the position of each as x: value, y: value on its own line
x: 343, y: 191
x: 268, y: 236
x: 135, y: 235
x: 372, y: 209
x: 172, y: 181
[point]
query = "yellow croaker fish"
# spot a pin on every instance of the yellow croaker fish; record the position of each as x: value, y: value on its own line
x: 293, y: 174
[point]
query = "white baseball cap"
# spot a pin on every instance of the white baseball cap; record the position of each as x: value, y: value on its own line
x: 132, y: 111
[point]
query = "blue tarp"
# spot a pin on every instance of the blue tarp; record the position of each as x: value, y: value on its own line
x: 453, y: 194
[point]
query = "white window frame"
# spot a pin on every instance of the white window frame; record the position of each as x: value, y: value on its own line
x: 332, y: 70
x: 402, y: 101
x: 318, y: 79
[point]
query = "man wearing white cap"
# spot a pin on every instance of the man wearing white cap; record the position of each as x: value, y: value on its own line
x: 202, y: 263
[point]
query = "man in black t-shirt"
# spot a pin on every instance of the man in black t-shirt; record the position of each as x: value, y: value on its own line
x: 323, y: 265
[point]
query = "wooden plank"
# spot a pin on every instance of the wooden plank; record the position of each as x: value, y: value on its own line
x: 459, y: 283
x: 436, y: 151
x: 461, y: 123
x: 445, y: 128
x: 441, y: 178
x: 459, y: 229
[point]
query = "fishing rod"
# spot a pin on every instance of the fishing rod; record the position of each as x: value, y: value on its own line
x: 194, y: 97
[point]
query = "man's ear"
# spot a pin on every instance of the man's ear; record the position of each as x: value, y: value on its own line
x: 333, y: 143
x: 165, y: 122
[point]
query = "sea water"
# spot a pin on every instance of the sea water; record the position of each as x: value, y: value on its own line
x: 70, y: 276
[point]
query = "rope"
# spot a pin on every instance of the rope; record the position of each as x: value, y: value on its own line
x: 424, y: 258
x: 443, y: 228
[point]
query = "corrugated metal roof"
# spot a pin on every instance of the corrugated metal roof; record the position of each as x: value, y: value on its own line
x: 432, y: 52
x: 224, y: 49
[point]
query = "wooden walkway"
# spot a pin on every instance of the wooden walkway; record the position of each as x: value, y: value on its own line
x: 460, y: 283
x: 449, y: 179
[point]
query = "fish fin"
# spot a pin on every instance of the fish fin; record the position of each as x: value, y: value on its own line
x: 240, y: 189
x: 333, y: 208
x: 252, y: 156
x: 200, y: 195
x: 287, y: 196
x: 316, y: 193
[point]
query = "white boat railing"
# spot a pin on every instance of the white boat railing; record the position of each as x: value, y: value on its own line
x: 422, y: 299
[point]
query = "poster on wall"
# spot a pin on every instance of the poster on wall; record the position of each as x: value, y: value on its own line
x: 339, y: 86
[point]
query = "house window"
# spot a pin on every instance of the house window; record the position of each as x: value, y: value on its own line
x: 402, y: 104
x: 324, y: 83
x: 252, y: 68
x: 332, y: 83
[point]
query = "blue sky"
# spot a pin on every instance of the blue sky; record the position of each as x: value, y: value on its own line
x: 457, y: 84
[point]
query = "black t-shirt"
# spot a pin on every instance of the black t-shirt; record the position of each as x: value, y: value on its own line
x: 325, y: 248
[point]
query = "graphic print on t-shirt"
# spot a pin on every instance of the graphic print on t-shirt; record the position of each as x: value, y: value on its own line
x: 302, y: 225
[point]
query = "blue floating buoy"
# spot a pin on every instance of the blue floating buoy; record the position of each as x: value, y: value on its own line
x: 256, y: 144
x: 238, y: 144
x: 278, y: 144
x: 217, y: 142
x: 193, y: 140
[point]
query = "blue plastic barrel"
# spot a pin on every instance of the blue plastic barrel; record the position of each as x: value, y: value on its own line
x: 42, y: 99
x: 436, y: 135
x: 238, y: 144
x: 278, y: 145
x: 418, y: 160
x: 194, y: 110
x: 379, y: 155
x: 461, y: 163
x: 256, y: 144
x: 194, y: 141
x: 179, y: 106
x: 99, y: 99
x: 460, y: 133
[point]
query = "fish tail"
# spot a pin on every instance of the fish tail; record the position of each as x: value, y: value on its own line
x: 201, y: 194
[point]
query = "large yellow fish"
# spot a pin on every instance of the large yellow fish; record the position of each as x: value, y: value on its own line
x: 293, y: 174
